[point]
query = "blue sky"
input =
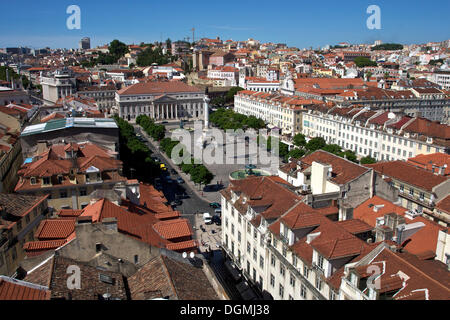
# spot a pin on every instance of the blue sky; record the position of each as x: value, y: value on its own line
x: 298, y: 23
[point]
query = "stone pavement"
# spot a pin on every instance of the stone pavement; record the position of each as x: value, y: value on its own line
x: 211, y: 238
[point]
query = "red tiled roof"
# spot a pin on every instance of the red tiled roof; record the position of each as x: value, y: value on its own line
x: 53, y: 229
x: 355, y: 226
x: 153, y: 87
x: 173, y: 229
x: 11, y: 289
x: 422, y: 241
x: 184, y: 245
x: 444, y: 204
x: 344, y: 170
x: 427, y: 161
x: 408, y: 173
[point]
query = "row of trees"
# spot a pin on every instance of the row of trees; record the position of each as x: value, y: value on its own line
x: 156, y: 131
x: 199, y: 173
x: 227, y: 99
x: 319, y: 143
x: 362, y: 62
x: 388, y: 46
x: 228, y: 119
x: 136, y: 156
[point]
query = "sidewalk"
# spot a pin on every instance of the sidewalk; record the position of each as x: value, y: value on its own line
x: 205, y: 196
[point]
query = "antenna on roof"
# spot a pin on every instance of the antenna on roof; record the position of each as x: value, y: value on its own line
x: 192, y: 255
x: 184, y: 255
x: 391, y: 115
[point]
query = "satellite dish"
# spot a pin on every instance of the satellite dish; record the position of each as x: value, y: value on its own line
x: 391, y: 115
x: 192, y: 255
x: 184, y: 255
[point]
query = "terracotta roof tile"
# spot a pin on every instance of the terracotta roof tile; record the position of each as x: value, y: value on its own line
x: 408, y: 173
x: 12, y: 289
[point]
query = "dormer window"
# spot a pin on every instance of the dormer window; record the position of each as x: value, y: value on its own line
x: 46, y: 180
x: 319, y: 261
x: 33, y: 180
x: 60, y: 179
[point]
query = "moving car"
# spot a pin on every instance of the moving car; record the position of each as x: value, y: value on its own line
x: 176, y: 202
x: 215, y: 205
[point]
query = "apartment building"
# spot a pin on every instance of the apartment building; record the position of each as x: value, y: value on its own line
x: 324, y: 178
x: 283, y: 245
x: 419, y: 189
x: 10, y: 152
x: 259, y: 84
x: 57, y: 85
x: 149, y: 220
x: 228, y: 73
x: 295, y: 252
x: 69, y: 173
x: 442, y: 78
x: 103, y: 132
x: 104, y: 96
x: 161, y: 101
x: 20, y: 216
x: 401, y: 276
x: 379, y: 134
x: 284, y: 112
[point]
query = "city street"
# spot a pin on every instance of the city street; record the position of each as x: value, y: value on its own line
x: 192, y: 208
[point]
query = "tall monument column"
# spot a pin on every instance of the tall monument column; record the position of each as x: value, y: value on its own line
x: 206, y: 111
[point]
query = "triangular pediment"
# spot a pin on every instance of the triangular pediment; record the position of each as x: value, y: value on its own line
x: 165, y: 99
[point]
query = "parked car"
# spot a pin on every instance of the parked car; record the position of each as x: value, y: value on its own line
x: 216, y: 220
x: 180, y: 180
x: 218, y: 212
x: 207, y: 218
x: 215, y: 205
x: 172, y: 171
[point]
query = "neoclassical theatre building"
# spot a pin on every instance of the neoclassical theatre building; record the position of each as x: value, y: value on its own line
x: 161, y: 100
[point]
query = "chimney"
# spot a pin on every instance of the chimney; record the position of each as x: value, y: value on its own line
x: 442, y: 170
x: 110, y: 223
x: 93, y: 200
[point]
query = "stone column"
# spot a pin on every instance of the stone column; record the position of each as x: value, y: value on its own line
x: 206, y: 111
x: 167, y: 111
x: 176, y: 111
x: 171, y: 111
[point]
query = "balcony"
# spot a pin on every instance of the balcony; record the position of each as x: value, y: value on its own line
x: 350, y: 289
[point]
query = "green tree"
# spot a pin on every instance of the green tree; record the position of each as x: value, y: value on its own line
x: 316, y: 144
x: 332, y: 148
x: 362, y: 62
x: 231, y: 93
x: 299, y: 140
x: 169, y: 44
x: 349, y: 155
x: 388, y: 46
x: 367, y: 160
x: 296, y: 153
x: 283, y: 150
x: 118, y: 49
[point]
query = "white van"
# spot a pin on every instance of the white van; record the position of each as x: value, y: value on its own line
x: 207, y: 218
